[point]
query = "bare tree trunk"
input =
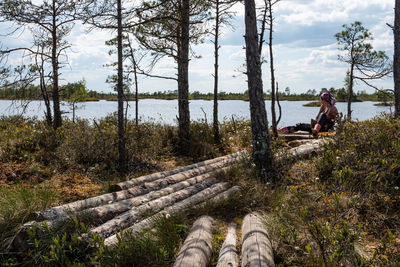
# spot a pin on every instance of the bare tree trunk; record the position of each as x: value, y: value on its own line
x: 350, y: 97
x: 120, y: 89
x: 183, y: 80
x: 271, y: 64
x: 54, y: 59
x: 45, y: 94
x: 136, y: 94
x: 262, y: 154
x: 216, y: 48
x: 73, y: 111
x: 396, y: 59
x: 279, y: 104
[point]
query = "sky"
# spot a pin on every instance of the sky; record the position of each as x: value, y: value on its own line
x: 305, y: 50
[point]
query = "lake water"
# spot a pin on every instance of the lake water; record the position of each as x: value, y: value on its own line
x: 165, y: 111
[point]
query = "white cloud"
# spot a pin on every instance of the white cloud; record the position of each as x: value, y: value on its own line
x: 305, y: 50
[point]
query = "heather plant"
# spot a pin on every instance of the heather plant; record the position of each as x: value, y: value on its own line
x: 365, y: 157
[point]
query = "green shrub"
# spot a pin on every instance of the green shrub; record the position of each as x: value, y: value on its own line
x: 365, y: 156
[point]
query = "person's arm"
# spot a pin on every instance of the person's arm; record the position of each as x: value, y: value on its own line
x: 319, y: 112
x: 332, y: 113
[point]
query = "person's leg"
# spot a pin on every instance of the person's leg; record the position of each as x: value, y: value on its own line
x: 322, y: 120
x: 303, y: 127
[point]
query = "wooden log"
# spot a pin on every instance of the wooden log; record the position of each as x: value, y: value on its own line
x: 197, y: 248
x: 291, y: 137
x: 130, y: 217
x: 296, y: 143
x: 151, y: 177
x: 256, y: 245
x: 214, y: 193
x: 109, y: 211
x: 311, y: 147
x: 104, y: 213
x: 314, y: 146
x: 69, y: 209
x: 228, y: 255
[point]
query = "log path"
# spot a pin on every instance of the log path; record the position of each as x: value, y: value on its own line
x: 136, y: 203
x: 256, y: 246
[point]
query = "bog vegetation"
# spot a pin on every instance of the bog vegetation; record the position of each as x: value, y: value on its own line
x: 339, y: 208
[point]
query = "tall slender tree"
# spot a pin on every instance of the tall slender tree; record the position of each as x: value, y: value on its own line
x: 270, y: 4
x: 262, y: 154
x: 50, y: 23
x: 120, y: 90
x: 112, y: 16
x: 181, y: 26
x: 396, y: 59
x: 267, y: 21
x: 223, y: 17
x: 183, y: 77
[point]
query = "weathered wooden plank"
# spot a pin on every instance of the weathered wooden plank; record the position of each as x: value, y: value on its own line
x: 228, y: 255
x: 130, y: 217
x: 213, y: 194
x: 256, y: 246
x: 197, y: 248
x: 72, y: 208
x: 151, y: 177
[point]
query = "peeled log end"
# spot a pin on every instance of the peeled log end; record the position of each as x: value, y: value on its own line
x: 256, y: 245
x: 228, y: 255
x: 197, y: 248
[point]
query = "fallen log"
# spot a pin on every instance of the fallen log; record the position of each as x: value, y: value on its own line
x: 151, y: 177
x: 209, y: 195
x: 300, y: 136
x: 256, y: 246
x: 197, y: 248
x: 311, y: 147
x: 128, y: 218
x: 106, y: 212
x: 69, y: 209
x: 228, y: 256
x: 109, y: 211
x: 314, y: 146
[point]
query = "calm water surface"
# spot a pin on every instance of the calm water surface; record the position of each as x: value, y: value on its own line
x: 166, y: 111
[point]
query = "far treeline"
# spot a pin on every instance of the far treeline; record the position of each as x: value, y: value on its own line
x: 70, y: 90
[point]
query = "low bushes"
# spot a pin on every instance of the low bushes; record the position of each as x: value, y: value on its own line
x: 93, y: 145
x: 365, y: 157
